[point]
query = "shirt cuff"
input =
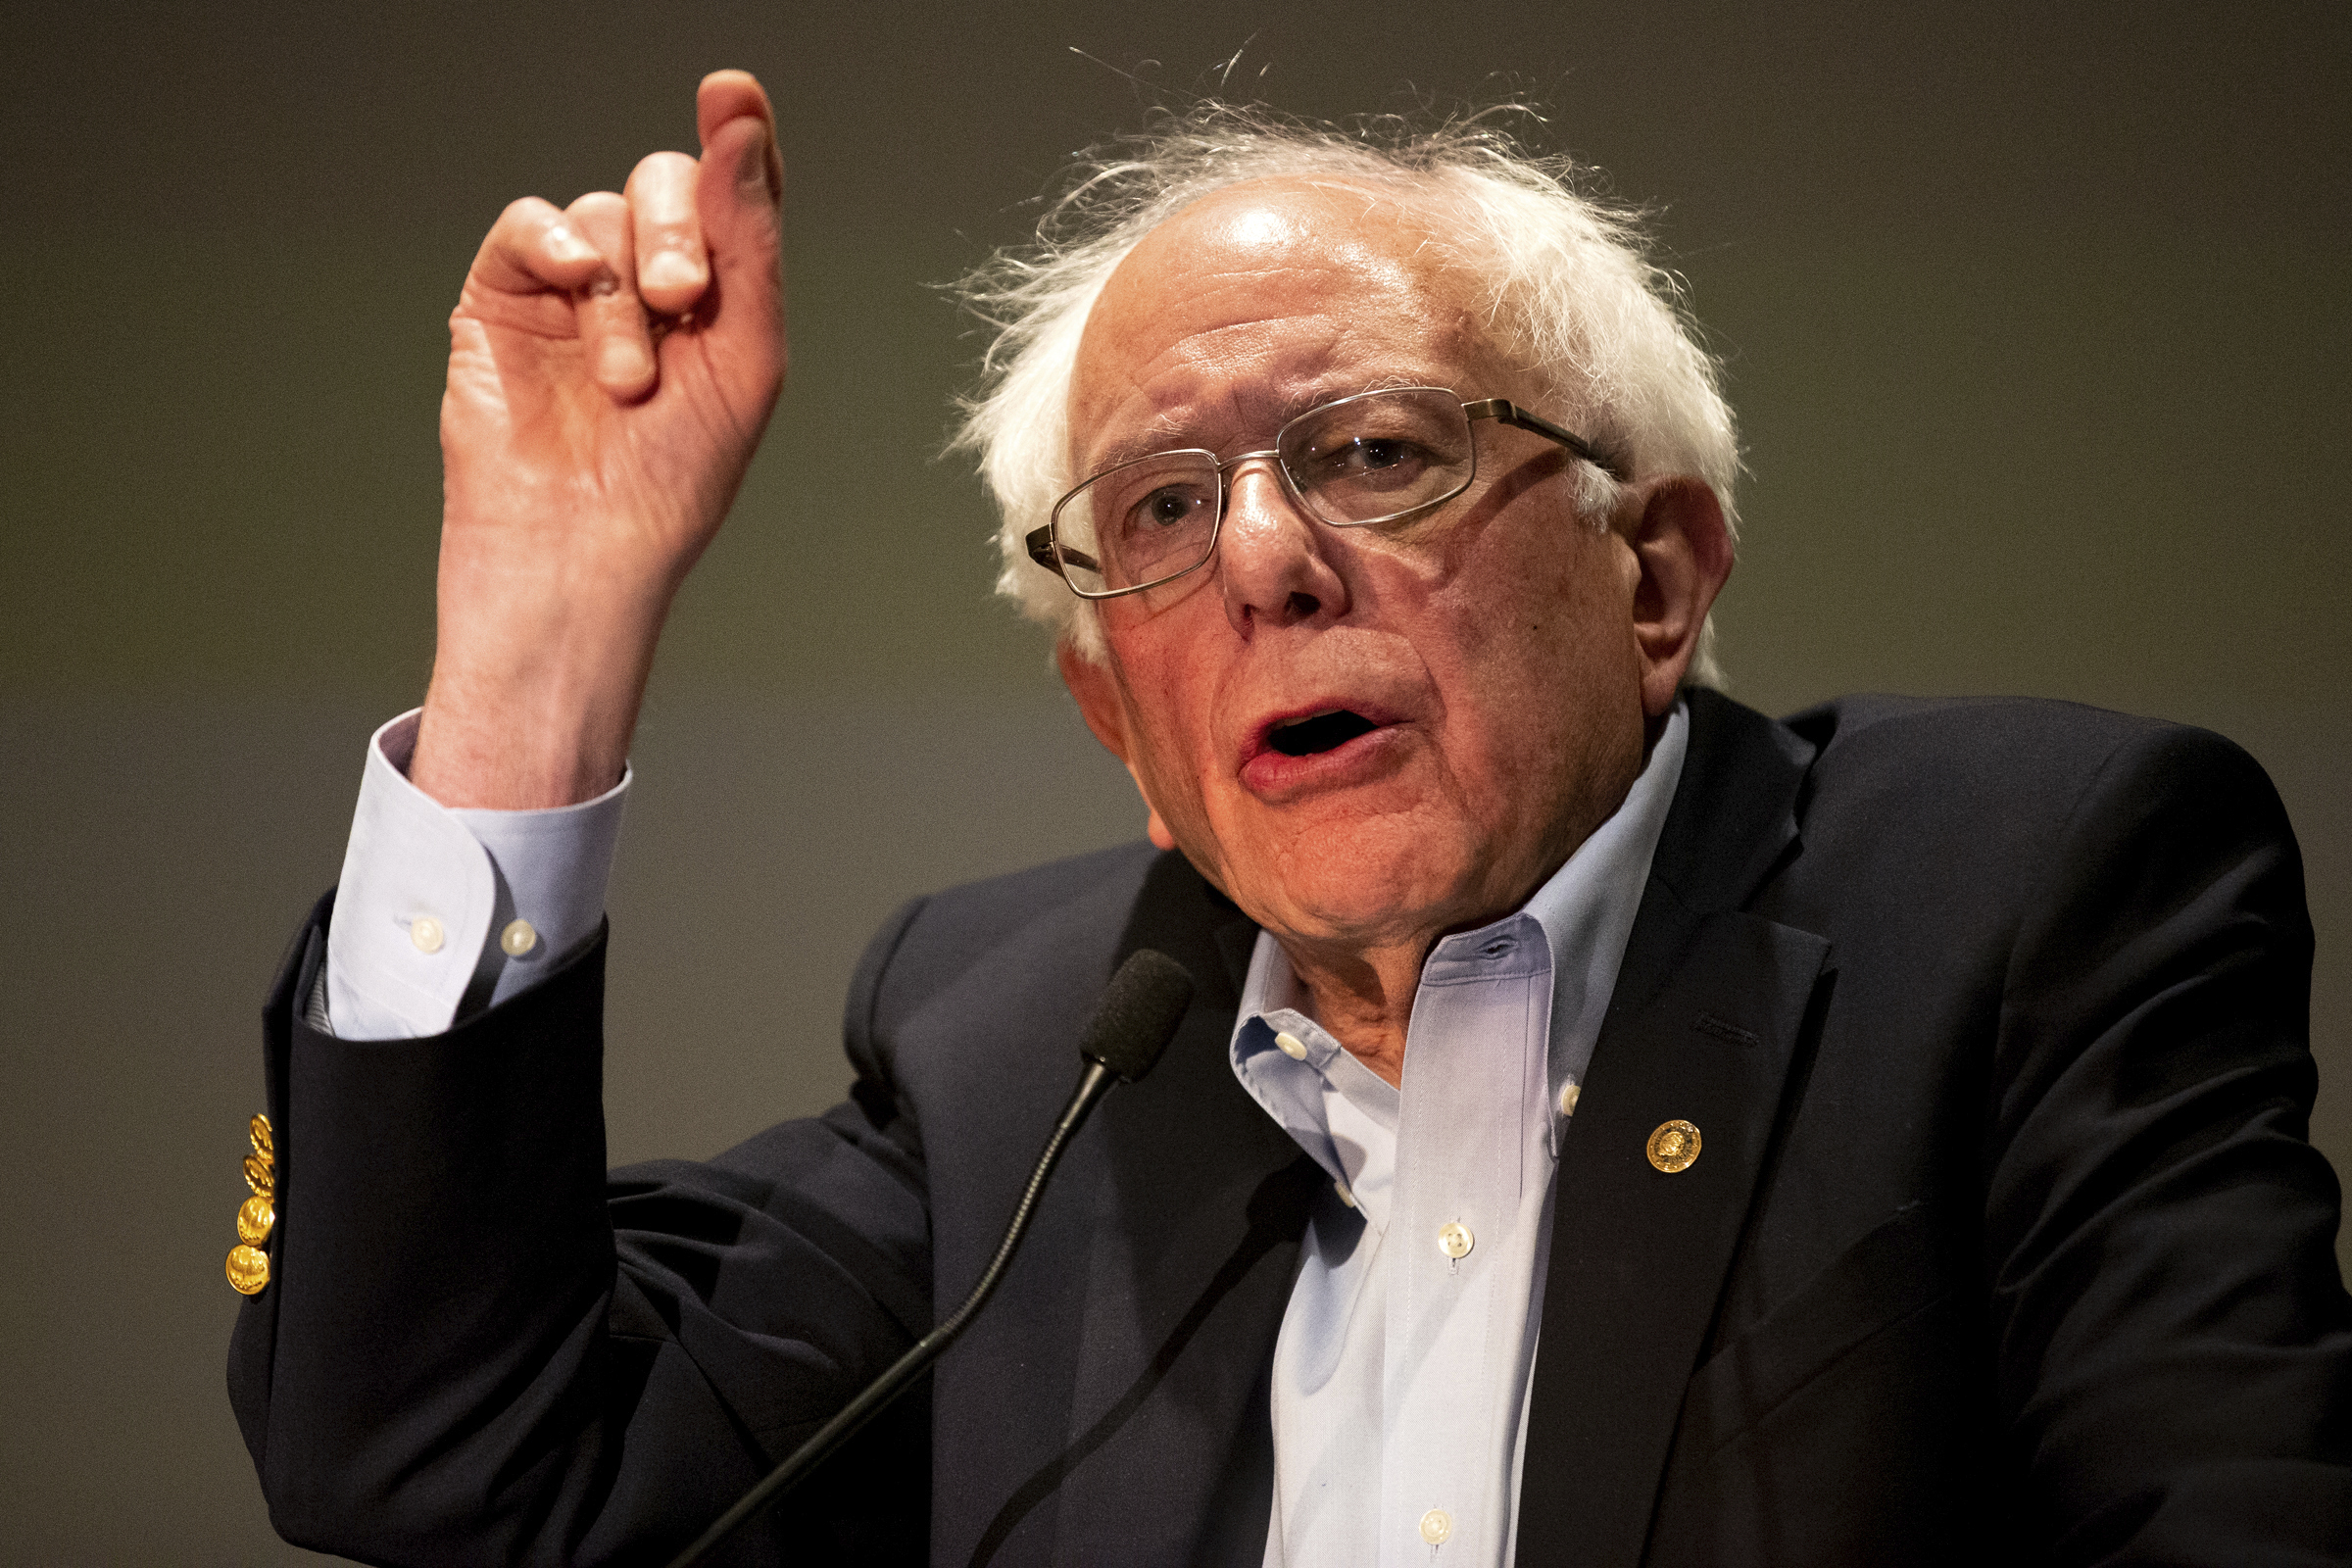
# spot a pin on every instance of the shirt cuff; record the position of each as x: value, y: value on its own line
x: 442, y: 912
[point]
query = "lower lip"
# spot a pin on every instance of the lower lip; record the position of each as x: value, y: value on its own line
x: 1270, y: 774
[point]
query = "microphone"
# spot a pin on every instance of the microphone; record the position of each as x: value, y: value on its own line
x: 1132, y: 1025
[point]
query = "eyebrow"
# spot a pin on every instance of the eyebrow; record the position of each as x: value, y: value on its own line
x: 1163, y: 433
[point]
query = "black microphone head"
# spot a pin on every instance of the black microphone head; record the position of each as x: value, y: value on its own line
x: 1138, y: 1014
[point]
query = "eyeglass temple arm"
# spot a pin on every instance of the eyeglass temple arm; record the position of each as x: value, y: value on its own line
x: 1504, y: 412
x: 1039, y: 542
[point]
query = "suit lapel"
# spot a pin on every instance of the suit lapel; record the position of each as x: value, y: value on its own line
x: 1201, y: 1201
x: 1708, y: 1012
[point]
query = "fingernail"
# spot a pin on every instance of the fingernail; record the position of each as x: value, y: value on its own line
x: 621, y: 361
x: 752, y: 172
x: 671, y: 269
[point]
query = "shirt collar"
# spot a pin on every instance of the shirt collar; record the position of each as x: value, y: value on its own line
x: 1585, y: 912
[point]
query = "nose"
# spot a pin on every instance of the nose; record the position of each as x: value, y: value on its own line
x: 1272, y: 559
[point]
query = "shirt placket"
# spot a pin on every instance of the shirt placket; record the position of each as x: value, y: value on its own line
x: 1474, y: 1071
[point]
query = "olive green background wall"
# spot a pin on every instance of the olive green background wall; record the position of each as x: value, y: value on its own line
x: 2037, y: 322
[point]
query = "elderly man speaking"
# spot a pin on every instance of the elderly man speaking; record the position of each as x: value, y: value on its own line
x: 1611, y: 1126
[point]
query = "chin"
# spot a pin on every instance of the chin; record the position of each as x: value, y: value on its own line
x: 1338, y: 892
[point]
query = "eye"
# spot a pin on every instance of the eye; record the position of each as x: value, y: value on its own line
x: 1170, y: 506
x: 1376, y: 452
x: 1379, y: 462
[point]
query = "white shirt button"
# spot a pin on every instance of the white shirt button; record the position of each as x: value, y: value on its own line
x: 1568, y: 1093
x: 425, y: 932
x: 1455, y: 1240
x: 517, y: 937
x: 1436, y: 1525
x: 1291, y: 1046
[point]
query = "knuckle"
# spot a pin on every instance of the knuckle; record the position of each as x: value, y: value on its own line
x: 597, y: 204
x: 664, y: 165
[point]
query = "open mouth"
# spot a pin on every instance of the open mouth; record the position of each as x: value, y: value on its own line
x: 1321, y: 733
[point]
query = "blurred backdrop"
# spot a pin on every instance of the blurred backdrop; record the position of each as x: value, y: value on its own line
x: 2037, y: 318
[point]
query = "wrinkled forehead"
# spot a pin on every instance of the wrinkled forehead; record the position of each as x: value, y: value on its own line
x: 1258, y: 302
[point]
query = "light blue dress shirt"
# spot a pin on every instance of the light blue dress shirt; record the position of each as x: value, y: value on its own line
x: 426, y: 909
x: 1408, y: 1348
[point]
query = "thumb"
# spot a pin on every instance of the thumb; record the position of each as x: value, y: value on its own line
x: 727, y: 95
x: 738, y: 190
x: 739, y: 186
x: 738, y: 130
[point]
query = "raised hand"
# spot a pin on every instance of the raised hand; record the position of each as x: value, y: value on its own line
x: 611, y: 368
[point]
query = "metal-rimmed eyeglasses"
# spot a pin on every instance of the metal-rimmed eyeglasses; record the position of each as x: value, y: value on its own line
x: 1376, y: 457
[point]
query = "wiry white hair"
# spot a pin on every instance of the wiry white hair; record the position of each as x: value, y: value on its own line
x: 1569, y: 290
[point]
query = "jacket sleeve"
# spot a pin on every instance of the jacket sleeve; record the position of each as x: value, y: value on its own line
x: 476, y: 1347
x: 2172, y: 1335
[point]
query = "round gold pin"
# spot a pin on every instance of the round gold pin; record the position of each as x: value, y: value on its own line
x: 257, y: 1176
x: 255, y: 1217
x: 1674, y: 1145
x: 248, y: 1269
x: 263, y: 1143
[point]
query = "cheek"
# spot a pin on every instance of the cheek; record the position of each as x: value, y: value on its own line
x: 1168, y: 706
x: 1545, y: 662
x: 1532, y: 607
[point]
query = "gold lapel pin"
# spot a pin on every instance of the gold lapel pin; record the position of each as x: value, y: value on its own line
x: 1674, y: 1145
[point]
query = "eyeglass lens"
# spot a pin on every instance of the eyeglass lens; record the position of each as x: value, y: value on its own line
x: 1362, y: 460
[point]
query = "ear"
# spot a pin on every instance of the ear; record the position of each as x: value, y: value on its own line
x: 1684, y: 552
x: 1096, y: 689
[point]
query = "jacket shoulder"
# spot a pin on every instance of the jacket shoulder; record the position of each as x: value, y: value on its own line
x: 1927, y: 820
x: 946, y: 932
x: 1874, y: 727
x: 997, y: 932
x: 1961, y: 757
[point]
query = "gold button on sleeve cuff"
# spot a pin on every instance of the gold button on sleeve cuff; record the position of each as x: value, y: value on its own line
x: 248, y: 1269
x: 247, y: 1266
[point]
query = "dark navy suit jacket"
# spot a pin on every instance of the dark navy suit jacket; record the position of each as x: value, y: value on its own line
x: 2005, y: 1243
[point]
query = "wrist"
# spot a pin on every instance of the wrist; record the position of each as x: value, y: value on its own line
x: 535, y: 709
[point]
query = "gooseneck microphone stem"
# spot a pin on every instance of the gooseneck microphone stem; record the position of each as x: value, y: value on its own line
x: 1135, y: 1020
x: 1091, y: 1087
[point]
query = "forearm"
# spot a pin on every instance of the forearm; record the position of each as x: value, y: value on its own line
x: 537, y: 679
x: 441, y: 1271
x: 476, y: 1347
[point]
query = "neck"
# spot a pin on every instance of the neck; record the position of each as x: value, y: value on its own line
x: 1364, y: 998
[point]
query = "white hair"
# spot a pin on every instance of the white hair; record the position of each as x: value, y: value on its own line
x: 1568, y: 289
